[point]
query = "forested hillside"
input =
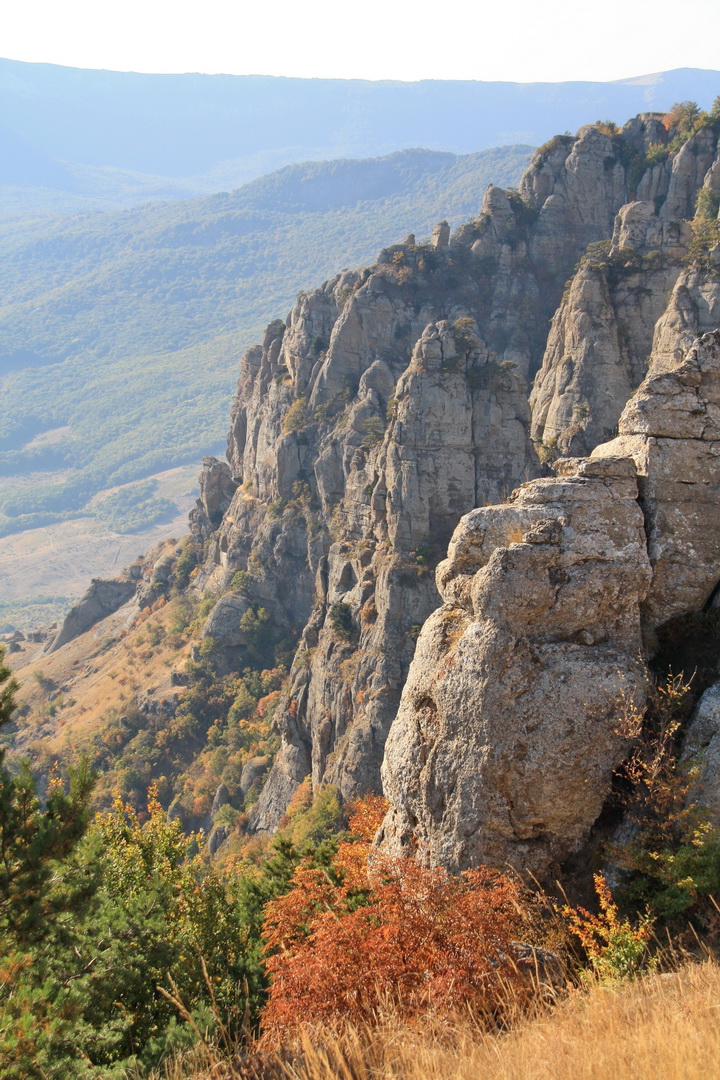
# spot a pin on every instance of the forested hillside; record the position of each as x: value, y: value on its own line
x: 120, y: 333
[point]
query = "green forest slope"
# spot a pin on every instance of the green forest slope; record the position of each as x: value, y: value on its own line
x: 120, y: 333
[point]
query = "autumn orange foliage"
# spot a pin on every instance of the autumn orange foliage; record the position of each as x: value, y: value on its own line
x: 344, y: 941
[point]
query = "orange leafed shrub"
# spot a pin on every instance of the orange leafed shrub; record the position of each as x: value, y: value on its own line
x: 615, y: 947
x: 267, y: 702
x: 301, y: 800
x: 201, y: 805
x: 342, y: 942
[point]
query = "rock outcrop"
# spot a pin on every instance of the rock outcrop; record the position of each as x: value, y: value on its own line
x: 506, y: 736
x: 138, y: 585
x: 389, y: 403
x: 216, y: 491
x: 505, y: 740
x: 615, y: 322
x: 701, y: 754
x: 102, y: 599
x: 395, y: 401
x: 601, y: 337
x: 671, y: 430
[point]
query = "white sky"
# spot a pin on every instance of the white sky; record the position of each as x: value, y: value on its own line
x: 519, y: 40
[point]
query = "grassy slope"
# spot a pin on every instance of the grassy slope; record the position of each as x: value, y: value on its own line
x: 662, y: 1027
x: 71, y: 693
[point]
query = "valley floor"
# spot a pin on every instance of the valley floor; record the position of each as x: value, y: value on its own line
x: 45, y: 570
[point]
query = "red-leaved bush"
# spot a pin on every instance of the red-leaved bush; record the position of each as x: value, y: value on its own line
x: 342, y: 942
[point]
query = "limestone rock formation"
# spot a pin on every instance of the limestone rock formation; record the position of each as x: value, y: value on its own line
x: 138, y: 585
x: 223, y: 623
x: 671, y: 430
x: 395, y: 399
x: 389, y: 403
x: 601, y: 336
x: 253, y: 772
x: 221, y: 798
x: 217, y: 838
x: 216, y: 492
x: 441, y: 235
x: 701, y: 753
x: 505, y: 742
x: 101, y: 599
x: 693, y: 309
x: 506, y: 735
x: 615, y: 323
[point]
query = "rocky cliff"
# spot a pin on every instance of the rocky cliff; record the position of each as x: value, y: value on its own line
x: 507, y: 736
x: 437, y: 387
x: 615, y: 312
x: 394, y: 400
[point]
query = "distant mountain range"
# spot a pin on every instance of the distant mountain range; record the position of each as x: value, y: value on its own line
x: 104, y: 138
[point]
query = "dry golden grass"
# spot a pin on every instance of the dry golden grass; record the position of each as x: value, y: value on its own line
x: 662, y: 1027
x: 97, y: 671
x: 60, y: 559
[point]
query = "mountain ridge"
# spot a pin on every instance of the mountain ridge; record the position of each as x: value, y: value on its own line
x: 222, y: 126
x: 138, y: 316
x: 392, y: 410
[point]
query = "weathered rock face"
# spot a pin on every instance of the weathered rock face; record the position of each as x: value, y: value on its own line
x: 138, y: 585
x: 701, y: 753
x: 671, y: 429
x: 504, y: 743
x: 224, y: 627
x: 395, y: 399
x: 101, y: 600
x: 693, y: 309
x: 505, y: 739
x: 221, y: 798
x: 216, y: 492
x: 393, y: 481
x: 615, y: 323
x: 252, y: 773
x: 601, y: 336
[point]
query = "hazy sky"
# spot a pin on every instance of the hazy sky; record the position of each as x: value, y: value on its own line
x: 520, y: 40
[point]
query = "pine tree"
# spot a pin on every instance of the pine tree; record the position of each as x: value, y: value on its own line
x: 33, y: 840
x: 8, y: 686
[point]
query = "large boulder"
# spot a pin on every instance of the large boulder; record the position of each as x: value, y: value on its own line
x: 253, y: 772
x: 223, y: 622
x: 506, y: 738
